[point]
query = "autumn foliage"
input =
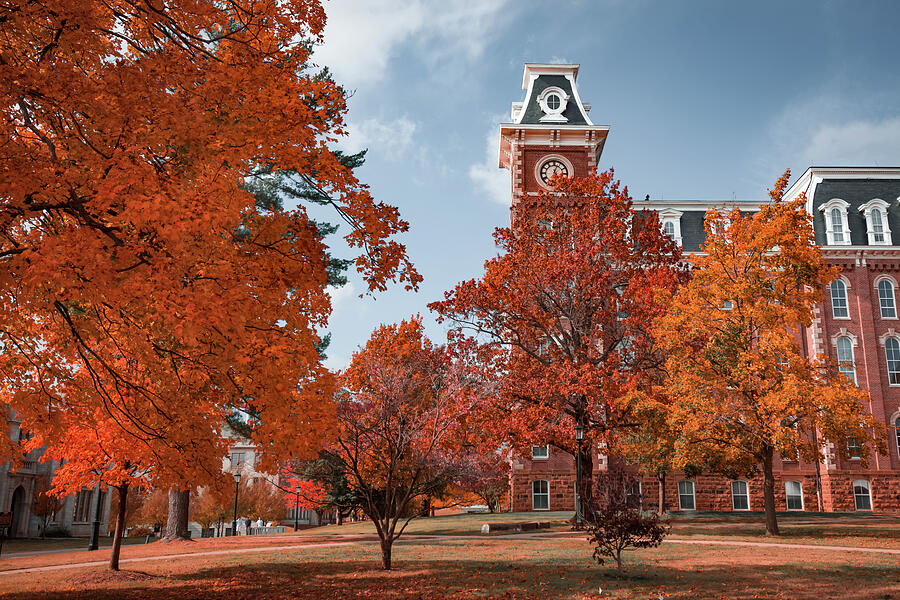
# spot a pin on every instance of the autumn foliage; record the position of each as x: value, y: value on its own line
x: 400, y: 418
x: 741, y: 387
x: 145, y: 292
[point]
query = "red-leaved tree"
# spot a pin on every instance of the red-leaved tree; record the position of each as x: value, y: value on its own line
x: 400, y: 415
x: 568, y: 305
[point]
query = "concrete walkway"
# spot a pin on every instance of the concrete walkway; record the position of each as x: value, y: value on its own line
x: 439, y: 538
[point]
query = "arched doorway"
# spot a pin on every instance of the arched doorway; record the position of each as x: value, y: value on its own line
x: 19, y: 514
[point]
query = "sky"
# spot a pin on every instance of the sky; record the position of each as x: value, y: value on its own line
x: 706, y: 100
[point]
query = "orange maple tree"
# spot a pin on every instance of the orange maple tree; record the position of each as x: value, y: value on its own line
x: 568, y: 306
x: 399, y: 417
x: 144, y: 290
x: 742, y: 389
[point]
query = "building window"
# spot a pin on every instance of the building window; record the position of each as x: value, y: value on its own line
x: 845, y: 358
x: 836, y: 231
x: 540, y: 452
x: 740, y: 497
x: 83, y: 506
x: 839, y: 306
x: 686, y: 495
x: 877, y: 226
x: 793, y: 492
x: 886, y: 299
x: 237, y: 460
x: 854, y: 450
x: 892, y: 354
x: 633, y: 495
x: 862, y: 495
x: 540, y: 494
x: 671, y: 224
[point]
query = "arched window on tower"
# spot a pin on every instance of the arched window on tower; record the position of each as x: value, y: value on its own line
x: 886, y: 299
x: 839, y: 308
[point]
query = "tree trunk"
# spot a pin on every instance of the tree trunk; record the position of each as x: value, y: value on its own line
x: 340, y: 517
x: 585, y: 487
x: 769, y: 493
x: 120, y: 527
x: 386, y: 553
x: 661, y: 479
x: 177, y: 523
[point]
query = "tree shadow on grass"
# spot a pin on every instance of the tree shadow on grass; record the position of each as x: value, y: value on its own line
x: 673, y: 573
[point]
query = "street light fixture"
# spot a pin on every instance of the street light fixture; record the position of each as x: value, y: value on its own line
x: 237, y: 481
x: 579, y: 435
x: 297, y: 509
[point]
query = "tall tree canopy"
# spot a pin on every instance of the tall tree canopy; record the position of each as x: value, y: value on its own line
x: 143, y: 286
x: 742, y: 388
x: 569, y: 304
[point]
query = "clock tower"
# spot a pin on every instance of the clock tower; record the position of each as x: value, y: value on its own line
x: 549, y: 133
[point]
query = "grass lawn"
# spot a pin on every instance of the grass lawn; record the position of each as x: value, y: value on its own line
x: 514, y: 567
x: 520, y: 568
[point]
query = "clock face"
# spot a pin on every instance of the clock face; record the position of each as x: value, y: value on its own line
x: 553, y: 167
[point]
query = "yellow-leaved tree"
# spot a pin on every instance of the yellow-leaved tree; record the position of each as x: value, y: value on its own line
x: 741, y: 387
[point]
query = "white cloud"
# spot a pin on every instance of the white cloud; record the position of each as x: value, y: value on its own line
x: 855, y: 143
x: 339, y: 294
x: 559, y: 60
x: 391, y: 140
x: 487, y: 176
x: 362, y: 36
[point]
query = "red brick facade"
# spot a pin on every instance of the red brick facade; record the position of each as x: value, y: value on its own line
x: 570, y: 137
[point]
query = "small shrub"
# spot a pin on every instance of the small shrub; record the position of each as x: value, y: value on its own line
x: 615, y: 520
x: 140, y: 532
x: 57, y: 532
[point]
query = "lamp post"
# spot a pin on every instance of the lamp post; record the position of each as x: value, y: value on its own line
x: 579, y: 435
x: 297, y: 510
x: 237, y: 481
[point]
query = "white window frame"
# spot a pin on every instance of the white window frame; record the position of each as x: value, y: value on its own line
x: 734, y: 496
x: 546, y: 453
x: 877, y: 205
x: 886, y: 342
x: 670, y: 215
x: 850, y: 342
x: 868, y: 487
x: 788, y: 495
x: 893, y: 306
x: 845, y: 286
x: 841, y: 206
x: 535, y: 494
x: 693, y: 495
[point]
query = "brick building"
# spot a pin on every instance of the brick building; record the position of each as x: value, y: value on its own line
x: 856, y: 216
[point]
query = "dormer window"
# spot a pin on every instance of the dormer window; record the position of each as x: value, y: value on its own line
x: 553, y: 102
x: 876, y: 222
x: 671, y: 224
x: 837, y: 232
